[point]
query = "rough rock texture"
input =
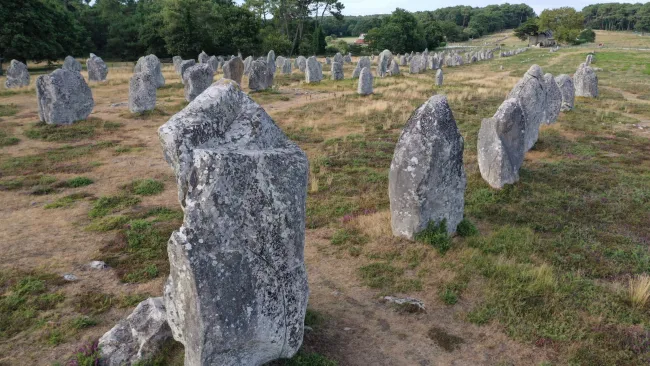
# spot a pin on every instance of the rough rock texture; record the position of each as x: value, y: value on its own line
x: 233, y: 69
x: 337, y: 70
x: 385, y: 58
x: 365, y: 82
x: 177, y: 63
x: 97, y: 69
x: 356, y: 72
x: 338, y: 58
x: 286, y: 68
x: 439, y: 77
x: 196, y: 79
x: 347, y: 58
x: 565, y: 84
x: 589, y: 59
x: 553, y: 99
x: 270, y: 61
x: 139, y: 337
x: 71, y: 64
x: 403, y: 61
x: 213, y: 61
x: 150, y: 64
x: 237, y: 290
x: 414, y: 66
x: 501, y: 145
x: 63, y: 97
x: 427, y: 179
x: 301, y: 63
x: 203, y: 57
x: 247, y: 65
x: 142, y: 92
x: 260, y: 78
x: 314, y: 71
x: 185, y: 64
x: 585, y: 82
x: 17, y: 75
x: 529, y: 92
x: 364, y: 61
x: 393, y: 69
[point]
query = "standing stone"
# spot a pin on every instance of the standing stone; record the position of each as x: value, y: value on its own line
x: 185, y: 64
x: 501, y: 145
x: 365, y: 82
x: 301, y: 63
x: 565, y: 84
x: 403, y: 61
x: 71, y: 64
x: 393, y: 69
x: 385, y: 57
x: 414, y: 67
x: 338, y: 58
x: 286, y: 68
x: 97, y: 69
x: 328, y: 61
x: 279, y: 61
x: 348, y: 58
x: 247, y: 65
x: 233, y: 69
x: 427, y: 179
x: 196, y: 79
x: 589, y: 59
x: 439, y: 77
x: 337, y: 71
x: 142, y: 92
x: 63, y: 97
x: 553, y: 99
x: 150, y: 64
x: 137, y: 338
x: 530, y: 94
x: 237, y: 289
x: 585, y: 81
x: 364, y: 61
x: 260, y: 77
x: 356, y: 72
x: 17, y: 75
x: 213, y: 61
x: 203, y: 57
x: 177, y: 63
x: 270, y: 61
x: 314, y: 71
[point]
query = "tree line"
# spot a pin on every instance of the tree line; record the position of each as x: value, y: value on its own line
x: 127, y: 29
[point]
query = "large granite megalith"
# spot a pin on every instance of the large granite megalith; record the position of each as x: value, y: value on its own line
x: 63, y: 97
x: 97, y: 69
x: 314, y: 71
x: 17, y: 75
x: 196, y: 79
x: 585, y: 82
x: 150, y: 64
x: 71, y: 64
x: 142, y: 92
x: 565, y: 84
x: 237, y: 290
x: 531, y: 95
x: 260, y: 77
x: 501, y: 145
x: 233, y: 69
x: 427, y: 179
x: 385, y: 58
x: 365, y: 87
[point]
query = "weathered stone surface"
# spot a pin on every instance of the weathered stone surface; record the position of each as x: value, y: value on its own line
x: 414, y: 66
x: 247, y: 65
x: 203, y: 57
x: 553, y: 99
x: 501, y: 145
x: 139, y: 337
x: 177, y: 63
x: 314, y: 71
x: 356, y: 72
x: 185, y: 64
x: 71, y: 64
x: 260, y: 77
x: 301, y: 63
x: 237, y: 290
x: 393, y: 69
x: 531, y: 95
x: 142, y: 92
x: 385, y: 58
x: 439, y: 77
x: 213, y: 61
x: 97, y: 69
x: 585, y: 82
x: 17, y: 75
x: 565, y: 84
x: 427, y: 179
x: 338, y: 58
x: 150, y: 64
x: 365, y: 82
x: 286, y: 68
x: 347, y: 58
x: 589, y: 59
x: 270, y: 61
x: 63, y: 97
x: 403, y: 61
x: 233, y: 69
x: 337, y: 71
x: 280, y: 61
x: 196, y: 79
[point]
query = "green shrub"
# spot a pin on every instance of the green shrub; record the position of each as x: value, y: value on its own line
x: 436, y: 235
x: 466, y: 228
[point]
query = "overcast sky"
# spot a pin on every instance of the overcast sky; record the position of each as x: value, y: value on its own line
x: 367, y: 7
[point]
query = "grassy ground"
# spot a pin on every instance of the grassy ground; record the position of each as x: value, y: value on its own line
x: 549, y: 271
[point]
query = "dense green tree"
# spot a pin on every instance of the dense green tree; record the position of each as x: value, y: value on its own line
x: 318, y: 41
x: 566, y: 23
x: 399, y: 33
x: 528, y: 28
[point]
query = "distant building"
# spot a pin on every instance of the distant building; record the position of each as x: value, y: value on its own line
x: 543, y: 39
x: 361, y: 39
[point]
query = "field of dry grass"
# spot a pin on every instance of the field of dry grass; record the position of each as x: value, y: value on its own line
x: 550, y: 271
